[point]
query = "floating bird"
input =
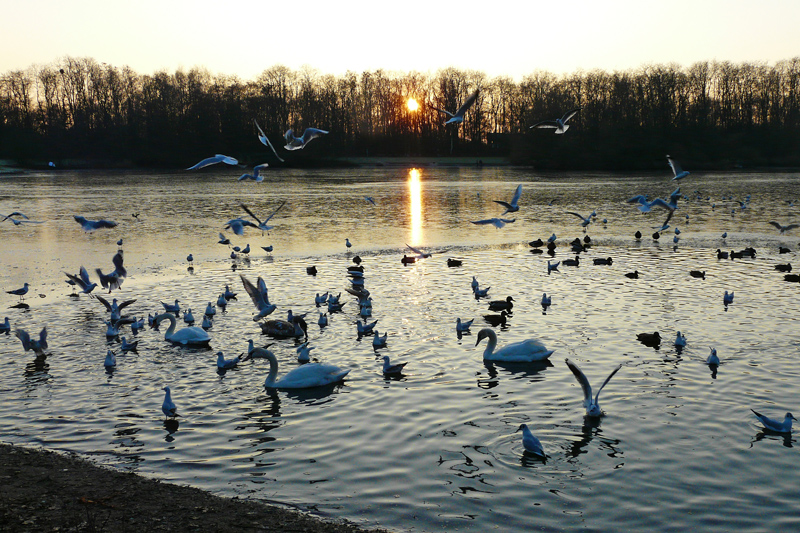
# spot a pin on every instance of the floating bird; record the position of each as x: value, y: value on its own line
x: 259, y: 297
x: 481, y: 293
x: 129, y: 346
x: 172, y: 308
x: 169, y: 408
x: 559, y: 124
x: 496, y: 222
x: 572, y: 262
x: 721, y: 254
x: 727, y: 298
x: 637, y: 235
x: 496, y: 320
x: 713, y: 359
x: 188, y: 317
x: 453, y: 262
x: 210, y: 310
x: 222, y: 301
x: 653, y: 340
x: 190, y: 336
x: 311, y: 271
x: 298, y: 143
x: 698, y: 274
x: 680, y: 340
x: 785, y: 228
x: 5, y: 326
x: 784, y: 268
x: 511, y: 207
x: 526, y: 351
x: 370, y: 199
x: 21, y: 292
x: 262, y: 224
x: 552, y: 266
x: 256, y: 175
x: 284, y: 328
x: 677, y: 172
x: 592, y: 405
x: 115, y: 308
x: 783, y: 250
x: 92, y: 225
x: 530, y: 442
x: 323, y: 320
x: 377, y: 340
x: 546, y: 300
x: 111, y: 360
x: 774, y: 425
x: 603, y: 261
x: 392, y: 370
x: 463, y: 326
x: 265, y: 141
x: 458, y: 116
x: 408, y: 260
x: 219, y: 158
x: 39, y: 346
x: 500, y: 305
x: 365, y: 328
x: 537, y: 243
x: 632, y: 275
x: 226, y: 364
x: 207, y: 322
x: 302, y: 377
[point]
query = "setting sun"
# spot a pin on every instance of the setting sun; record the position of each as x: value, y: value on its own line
x: 412, y: 104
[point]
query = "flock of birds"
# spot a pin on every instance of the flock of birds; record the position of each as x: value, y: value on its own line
x: 315, y: 374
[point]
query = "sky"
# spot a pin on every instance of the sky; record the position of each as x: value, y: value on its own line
x: 510, y: 38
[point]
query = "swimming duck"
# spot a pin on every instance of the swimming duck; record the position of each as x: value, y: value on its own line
x: 698, y: 274
x: 496, y: 320
x: 602, y: 261
x: 572, y: 262
x: 653, y: 340
x: 454, y: 262
x: 282, y: 328
x: 784, y: 268
x: 632, y: 275
x: 500, y: 305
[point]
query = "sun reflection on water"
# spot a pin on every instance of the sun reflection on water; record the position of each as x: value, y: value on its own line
x: 415, y: 197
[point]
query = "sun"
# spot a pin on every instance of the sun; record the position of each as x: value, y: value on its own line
x: 412, y: 104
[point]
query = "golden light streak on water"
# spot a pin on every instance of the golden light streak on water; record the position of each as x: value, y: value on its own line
x: 415, y: 197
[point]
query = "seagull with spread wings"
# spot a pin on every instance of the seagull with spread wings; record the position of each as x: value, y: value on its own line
x: 511, y: 207
x: 298, y: 143
x: 219, y: 158
x: 262, y: 224
x: 559, y: 124
x: 785, y: 228
x: 458, y: 116
x: 265, y: 141
x: 496, y: 222
x: 677, y: 172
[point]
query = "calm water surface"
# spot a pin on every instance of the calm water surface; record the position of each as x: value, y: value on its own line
x: 678, y: 450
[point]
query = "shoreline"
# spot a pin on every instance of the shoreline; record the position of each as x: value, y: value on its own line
x: 44, y: 490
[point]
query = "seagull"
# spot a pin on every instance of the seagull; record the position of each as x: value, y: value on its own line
x: 21, y: 292
x: 219, y: 158
x: 463, y: 326
x: 111, y: 360
x: 546, y: 300
x: 774, y: 425
x: 378, y: 341
x: 585, y: 220
x: 172, y: 308
x: 552, y: 266
x: 114, y: 279
x: 511, y: 207
x: 262, y: 224
x: 364, y: 328
x: 420, y: 253
x: 169, y: 408
x: 727, y: 298
x: 115, y: 308
x: 223, y: 239
x: 91, y: 225
x: 390, y: 369
x: 786, y: 228
x: 458, y: 116
x: 559, y: 124
x: 680, y: 340
x: 5, y: 326
x: 370, y: 199
x: 265, y: 141
x: 530, y: 442
x: 713, y: 358
x: 298, y: 143
x: 21, y: 220
x: 496, y: 222
x: 304, y: 352
x: 677, y: 172
x: 237, y: 225
x: 39, y: 346
x: 225, y: 364
x: 592, y: 405
x: 259, y: 297
x: 255, y: 176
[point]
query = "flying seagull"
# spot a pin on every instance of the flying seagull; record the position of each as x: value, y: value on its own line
x: 559, y: 124
x: 265, y: 141
x: 458, y: 116
x: 677, y: 172
x: 496, y: 222
x: 255, y: 176
x: 219, y: 158
x: 262, y: 224
x: 785, y: 228
x: 592, y: 405
x: 511, y: 207
x: 298, y: 143
x: 91, y: 225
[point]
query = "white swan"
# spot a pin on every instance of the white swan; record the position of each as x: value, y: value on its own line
x: 302, y: 377
x: 525, y: 351
x: 191, y: 336
x: 592, y: 405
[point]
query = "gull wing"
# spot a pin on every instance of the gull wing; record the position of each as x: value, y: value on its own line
x: 641, y: 199
x: 611, y: 375
x: 546, y: 124
x: 265, y: 140
x: 517, y: 195
x: 418, y: 252
x: 577, y: 215
x: 658, y: 202
x: 585, y: 385
x: 255, y: 294
x: 676, y: 167
x: 118, y: 268
x: 105, y: 303
x: 443, y: 111
x: 23, y: 336
x: 507, y: 205
x: 84, y: 276
x: 247, y: 210
x: 125, y: 304
x: 273, y: 213
x: 569, y: 114
x: 466, y: 105
x: 312, y: 133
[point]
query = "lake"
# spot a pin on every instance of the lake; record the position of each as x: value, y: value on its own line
x: 679, y: 448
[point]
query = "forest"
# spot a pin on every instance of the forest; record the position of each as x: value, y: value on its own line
x: 713, y: 114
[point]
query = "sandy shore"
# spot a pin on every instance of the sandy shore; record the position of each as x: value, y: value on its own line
x: 46, y: 491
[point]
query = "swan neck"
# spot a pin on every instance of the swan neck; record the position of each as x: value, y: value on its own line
x: 273, y: 365
x: 491, y: 344
x: 172, y: 323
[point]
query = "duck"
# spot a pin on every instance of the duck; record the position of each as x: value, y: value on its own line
x: 632, y: 275
x: 572, y: 262
x: 736, y: 255
x: 378, y: 341
x: 408, y: 260
x: 304, y: 352
x: 5, y: 326
x: 713, y: 358
x: 526, y: 351
x: 357, y: 259
x: 502, y: 305
x: 537, y: 243
x: 496, y: 320
x: 530, y: 443
x: 392, y: 370
x: 592, y: 405
x: 680, y: 340
x: 311, y: 271
x: 546, y: 300
x: 602, y: 261
x: 721, y: 254
x: 172, y: 308
x: 727, y: 298
x: 637, y: 235
x: 226, y: 364
x: 38, y: 347
x: 784, y: 268
x: 303, y: 377
x: 129, y: 346
x: 454, y: 262
x: 792, y: 277
x: 698, y: 274
x: 783, y: 250
x: 652, y: 340
x: 111, y: 360
x: 189, y: 336
x: 773, y: 425
x: 169, y: 408
x: 462, y: 325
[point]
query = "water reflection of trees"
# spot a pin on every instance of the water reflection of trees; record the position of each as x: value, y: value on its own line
x: 710, y: 111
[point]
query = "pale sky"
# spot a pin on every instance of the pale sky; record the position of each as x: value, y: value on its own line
x: 513, y: 38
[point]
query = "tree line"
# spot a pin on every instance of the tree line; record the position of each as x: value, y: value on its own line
x: 710, y: 114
